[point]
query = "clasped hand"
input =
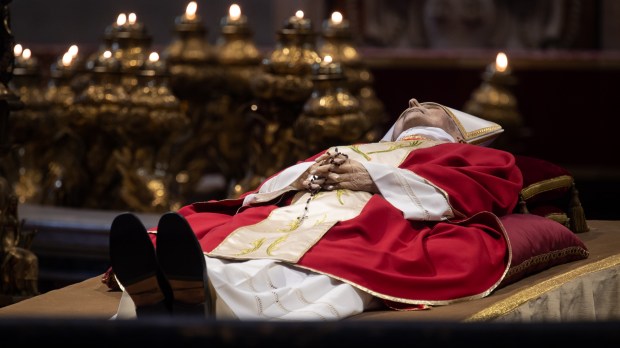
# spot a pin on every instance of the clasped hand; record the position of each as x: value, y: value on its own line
x: 334, y: 171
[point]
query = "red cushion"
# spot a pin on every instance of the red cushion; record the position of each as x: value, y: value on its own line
x: 539, y: 243
x: 543, y: 181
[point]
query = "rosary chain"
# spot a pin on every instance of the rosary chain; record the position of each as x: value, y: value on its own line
x: 313, y: 192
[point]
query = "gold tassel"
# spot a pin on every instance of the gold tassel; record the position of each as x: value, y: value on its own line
x: 578, y: 223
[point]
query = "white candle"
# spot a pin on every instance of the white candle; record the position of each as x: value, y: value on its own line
x: 67, y: 58
x: 336, y: 18
x: 132, y: 18
x: 190, y: 11
x: 153, y: 57
x: 501, y: 62
x: 121, y: 19
x: 234, y: 12
x: 17, y: 50
x: 73, y: 50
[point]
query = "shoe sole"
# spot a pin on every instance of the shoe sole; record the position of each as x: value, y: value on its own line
x: 182, y: 261
x: 134, y: 262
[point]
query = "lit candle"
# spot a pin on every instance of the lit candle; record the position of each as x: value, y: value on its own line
x: 73, y: 50
x: 499, y: 72
x: 153, y: 64
x: 67, y: 58
x: 327, y: 66
x: 131, y: 19
x: 336, y: 25
x: 234, y: 12
x: 26, y: 60
x: 337, y: 22
x: 336, y: 18
x: 17, y: 50
x: 153, y: 57
x: 190, y: 11
x: 234, y: 18
x: 121, y: 20
x: 501, y: 62
x: 26, y: 54
x: 298, y: 21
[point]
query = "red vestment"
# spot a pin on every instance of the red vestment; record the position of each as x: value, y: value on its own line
x: 409, y: 262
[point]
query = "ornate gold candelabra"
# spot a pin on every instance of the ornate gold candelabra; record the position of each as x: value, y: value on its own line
x: 337, y: 42
x: 28, y: 125
x: 100, y: 116
x: 65, y: 180
x: 194, y: 78
x: 190, y: 59
x: 130, y: 44
x: 280, y: 91
x: 154, y: 117
x: 237, y: 54
x: 239, y: 59
x: 19, y: 267
x: 494, y: 101
x: 332, y: 115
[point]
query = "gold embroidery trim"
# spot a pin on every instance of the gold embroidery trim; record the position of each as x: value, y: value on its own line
x: 356, y: 149
x: 469, y: 135
x: 483, y: 131
x: 511, y: 303
x: 546, y: 258
x: 546, y: 185
x: 396, y: 146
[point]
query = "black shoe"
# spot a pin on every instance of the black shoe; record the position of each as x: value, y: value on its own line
x: 183, y: 263
x: 135, y: 265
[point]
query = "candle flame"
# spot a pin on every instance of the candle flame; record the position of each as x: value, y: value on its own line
x: 67, y: 58
x: 153, y: 57
x: 190, y: 10
x: 107, y: 54
x: 73, y: 50
x: 132, y: 18
x: 17, y: 50
x: 337, y: 17
x: 501, y: 62
x: 327, y: 59
x: 121, y: 19
x: 234, y: 12
x: 26, y: 53
x: 299, y: 14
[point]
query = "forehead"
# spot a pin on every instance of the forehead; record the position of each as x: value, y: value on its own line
x: 441, y: 110
x: 430, y: 105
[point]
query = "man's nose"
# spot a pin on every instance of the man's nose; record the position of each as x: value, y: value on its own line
x: 414, y: 102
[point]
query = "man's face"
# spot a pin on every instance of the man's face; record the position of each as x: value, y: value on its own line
x: 425, y: 115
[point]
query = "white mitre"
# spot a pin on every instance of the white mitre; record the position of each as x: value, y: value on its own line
x: 473, y: 129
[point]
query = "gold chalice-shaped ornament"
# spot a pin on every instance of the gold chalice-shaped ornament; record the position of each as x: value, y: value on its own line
x: 239, y: 59
x: 332, y: 115
x: 337, y: 42
x: 190, y: 59
x: 131, y: 48
x: 494, y: 101
x: 237, y: 54
x: 29, y: 124
x: 101, y: 112
x: 195, y: 78
x: 64, y: 181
